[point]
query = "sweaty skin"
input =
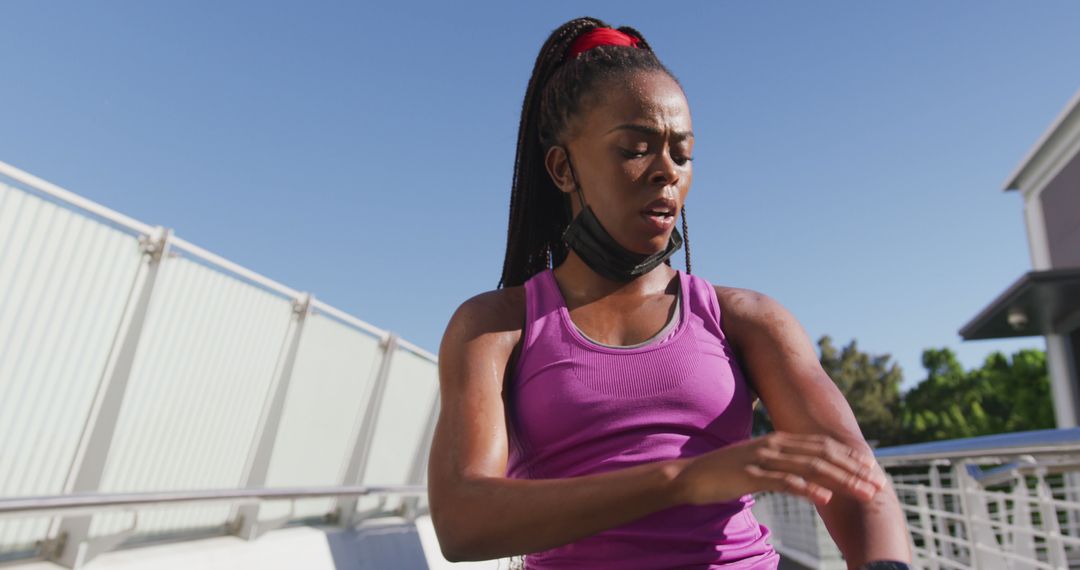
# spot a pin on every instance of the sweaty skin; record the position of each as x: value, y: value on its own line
x: 631, y: 145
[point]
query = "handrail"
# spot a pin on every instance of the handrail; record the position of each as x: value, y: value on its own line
x: 74, y: 199
x: 54, y: 191
x: 1006, y: 445
x: 99, y: 502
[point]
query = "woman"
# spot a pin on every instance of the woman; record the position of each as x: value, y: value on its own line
x: 570, y: 428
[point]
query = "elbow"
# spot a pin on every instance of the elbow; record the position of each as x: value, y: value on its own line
x: 456, y: 550
x: 451, y: 555
x: 463, y: 522
x: 454, y: 545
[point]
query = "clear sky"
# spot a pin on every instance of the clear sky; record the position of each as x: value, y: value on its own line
x: 849, y: 157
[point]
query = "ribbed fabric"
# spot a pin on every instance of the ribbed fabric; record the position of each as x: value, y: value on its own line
x: 579, y: 407
x: 664, y: 334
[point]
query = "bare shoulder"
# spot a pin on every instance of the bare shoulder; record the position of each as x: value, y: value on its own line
x: 487, y: 326
x: 499, y: 312
x: 744, y: 303
x: 747, y: 312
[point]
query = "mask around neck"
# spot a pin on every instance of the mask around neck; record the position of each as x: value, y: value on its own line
x: 602, y: 253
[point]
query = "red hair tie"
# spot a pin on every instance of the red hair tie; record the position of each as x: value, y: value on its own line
x: 600, y: 37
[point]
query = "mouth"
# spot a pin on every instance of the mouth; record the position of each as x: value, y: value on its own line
x: 660, y: 214
x: 659, y: 221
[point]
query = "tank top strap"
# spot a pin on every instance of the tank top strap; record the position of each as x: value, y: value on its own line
x: 542, y: 297
x: 546, y: 295
x: 540, y: 303
x: 701, y: 296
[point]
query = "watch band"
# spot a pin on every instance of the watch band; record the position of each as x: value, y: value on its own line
x: 885, y: 565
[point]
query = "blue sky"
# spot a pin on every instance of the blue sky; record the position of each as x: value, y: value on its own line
x: 849, y: 156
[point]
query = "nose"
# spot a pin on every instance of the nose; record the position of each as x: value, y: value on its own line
x: 664, y: 170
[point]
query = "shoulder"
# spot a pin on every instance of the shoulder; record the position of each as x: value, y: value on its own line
x: 748, y: 315
x: 742, y: 303
x: 491, y: 312
x: 489, y: 324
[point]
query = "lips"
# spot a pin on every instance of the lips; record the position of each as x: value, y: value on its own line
x: 659, y: 215
x: 663, y: 210
x: 660, y: 206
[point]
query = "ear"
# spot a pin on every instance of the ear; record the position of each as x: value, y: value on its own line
x: 557, y: 164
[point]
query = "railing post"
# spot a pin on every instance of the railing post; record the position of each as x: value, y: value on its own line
x: 365, y: 435
x: 976, y: 520
x: 1023, y: 543
x: 247, y: 519
x: 418, y: 470
x: 929, y: 542
x: 1055, y: 549
x: 72, y: 546
x: 1071, y: 481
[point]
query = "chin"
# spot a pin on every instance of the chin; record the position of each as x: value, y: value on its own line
x: 654, y: 245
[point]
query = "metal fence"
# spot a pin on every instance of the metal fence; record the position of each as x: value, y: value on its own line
x: 1008, y: 501
x: 132, y: 361
x: 150, y: 389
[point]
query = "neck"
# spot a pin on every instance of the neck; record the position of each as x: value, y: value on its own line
x: 579, y: 280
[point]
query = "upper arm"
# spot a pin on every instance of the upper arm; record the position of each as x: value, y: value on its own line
x: 470, y: 438
x: 783, y: 366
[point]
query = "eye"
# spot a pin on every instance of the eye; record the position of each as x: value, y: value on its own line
x: 682, y: 160
x: 635, y: 152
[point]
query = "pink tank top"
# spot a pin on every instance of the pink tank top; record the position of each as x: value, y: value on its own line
x: 579, y: 407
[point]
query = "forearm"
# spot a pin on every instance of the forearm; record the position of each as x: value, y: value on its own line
x: 494, y: 517
x: 868, y: 531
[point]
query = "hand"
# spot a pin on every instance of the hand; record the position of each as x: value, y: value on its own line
x: 811, y: 466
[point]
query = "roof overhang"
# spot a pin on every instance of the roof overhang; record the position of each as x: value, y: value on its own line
x: 1039, y: 303
x: 1056, y: 145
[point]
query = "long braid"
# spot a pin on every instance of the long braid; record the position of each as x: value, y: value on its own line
x: 686, y: 238
x: 523, y: 257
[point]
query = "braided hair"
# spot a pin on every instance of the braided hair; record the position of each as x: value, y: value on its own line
x: 557, y: 91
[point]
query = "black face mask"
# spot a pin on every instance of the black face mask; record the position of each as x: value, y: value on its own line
x: 607, y: 257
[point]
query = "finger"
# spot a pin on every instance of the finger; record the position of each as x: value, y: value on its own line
x: 790, y: 483
x: 818, y: 470
x: 867, y: 465
x: 861, y: 464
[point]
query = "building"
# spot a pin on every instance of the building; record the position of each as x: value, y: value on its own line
x: 1046, y: 300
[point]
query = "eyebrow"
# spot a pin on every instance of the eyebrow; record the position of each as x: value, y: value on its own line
x: 651, y: 130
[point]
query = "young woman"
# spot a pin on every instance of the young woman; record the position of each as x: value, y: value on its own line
x: 596, y: 406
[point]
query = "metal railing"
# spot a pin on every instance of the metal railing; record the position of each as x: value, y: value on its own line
x: 138, y: 370
x: 1005, y: 501
x: 101, y: 502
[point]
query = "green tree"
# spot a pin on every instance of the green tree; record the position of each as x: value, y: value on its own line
x: 871, y: 385
x: 1003, y: 395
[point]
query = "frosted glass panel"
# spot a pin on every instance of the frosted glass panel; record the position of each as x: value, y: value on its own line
x: 198, y: 384
x: 329, y: 392
x: 403, y: 430
x: 209, y: 352
x: 64, y: 280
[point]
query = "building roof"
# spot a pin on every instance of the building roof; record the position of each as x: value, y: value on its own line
x: 1039, y: 303
x: 1062, y: 137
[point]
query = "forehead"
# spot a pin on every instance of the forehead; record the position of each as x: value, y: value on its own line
x: 649, y: 98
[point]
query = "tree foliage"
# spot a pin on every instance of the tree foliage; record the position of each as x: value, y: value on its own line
x: 871, y: 385
x: 1005, y: 394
